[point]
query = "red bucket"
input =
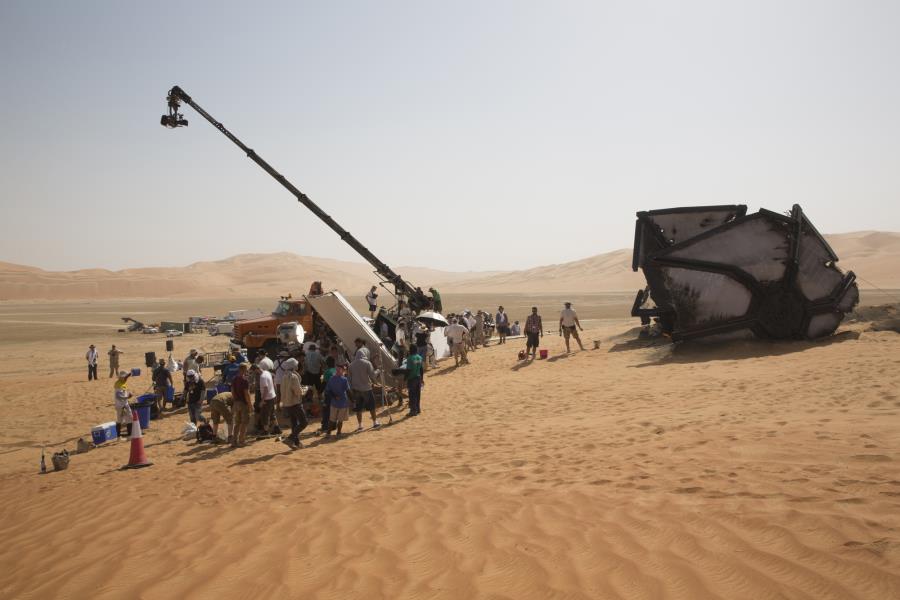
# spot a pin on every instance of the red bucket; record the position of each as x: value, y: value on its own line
x: 544, y: 353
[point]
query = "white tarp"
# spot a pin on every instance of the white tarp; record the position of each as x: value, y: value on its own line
x: 439, y: 343
x: 348, y: 325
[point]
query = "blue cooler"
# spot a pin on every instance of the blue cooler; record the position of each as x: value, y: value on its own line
x: 103, y: 433
x: 170, y: 394
x: 135, y: 372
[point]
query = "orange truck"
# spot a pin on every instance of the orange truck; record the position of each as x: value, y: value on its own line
x: 262, y: 333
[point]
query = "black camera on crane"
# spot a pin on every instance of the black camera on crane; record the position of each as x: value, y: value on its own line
x: 173, y: 120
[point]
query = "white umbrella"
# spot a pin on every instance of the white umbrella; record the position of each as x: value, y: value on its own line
x: 432, y: 318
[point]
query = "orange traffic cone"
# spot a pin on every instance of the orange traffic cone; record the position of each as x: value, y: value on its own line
x: 138, y: 458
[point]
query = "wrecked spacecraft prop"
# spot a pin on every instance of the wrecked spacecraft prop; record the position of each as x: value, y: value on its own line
x: 715, y: 270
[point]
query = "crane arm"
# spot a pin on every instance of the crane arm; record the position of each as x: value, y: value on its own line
x: 417, y: 300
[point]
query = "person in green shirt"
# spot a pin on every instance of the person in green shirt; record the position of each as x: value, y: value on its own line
x: 415, y: 380
x: 436, y: 301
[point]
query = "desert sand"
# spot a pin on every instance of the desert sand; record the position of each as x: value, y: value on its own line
x: 751, y: 470
x: 874, y: 255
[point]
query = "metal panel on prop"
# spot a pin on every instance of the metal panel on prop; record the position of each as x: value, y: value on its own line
x: 348, y: 326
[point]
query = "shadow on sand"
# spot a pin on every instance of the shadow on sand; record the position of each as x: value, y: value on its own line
x: 700, y: 352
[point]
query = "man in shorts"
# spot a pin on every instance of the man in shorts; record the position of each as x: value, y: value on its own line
x: 362, y: 375
x: 569, y: 325
x: 242, y: 405
x: 372, y: 301
x: 501, y: 320
x: 456, y: 334
x: 534, y: 330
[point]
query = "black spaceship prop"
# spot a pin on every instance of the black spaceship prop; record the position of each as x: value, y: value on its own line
x: 714, y: 270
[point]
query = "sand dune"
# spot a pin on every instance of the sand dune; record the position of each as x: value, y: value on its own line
x: 753, y: 470
x: 875, y: 256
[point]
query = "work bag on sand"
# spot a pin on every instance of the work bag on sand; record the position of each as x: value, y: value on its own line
x: 60, y: 460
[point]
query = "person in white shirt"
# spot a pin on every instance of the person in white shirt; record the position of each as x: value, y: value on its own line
x: 372, y: 299
x: 267, y: 397
x: 92, y: 356
x: 456, y: 334
x: 568, y: 322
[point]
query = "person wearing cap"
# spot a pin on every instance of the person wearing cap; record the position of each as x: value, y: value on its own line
x: 162, y: 381
x: 194, y: 392
x: 121, y: 395
x: 456, y: 335
x: 242, y: 405
x: 92, y: 356
x: 230, y: 370
x: 113, y: 360
x: 534, y: 330
x: 568, y: 321
x: 267, y: 396
x: 291, y: 402
x: 469, y: 322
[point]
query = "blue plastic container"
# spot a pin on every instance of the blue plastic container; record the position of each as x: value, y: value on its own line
x: 143, y: 413
x: 104, y: 433
x: 223, y: 387
x: 135, y: 372
x: 211, y: 393
x: 170, y: 394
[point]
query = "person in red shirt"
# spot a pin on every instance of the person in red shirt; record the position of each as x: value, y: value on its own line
x: 243, y: 405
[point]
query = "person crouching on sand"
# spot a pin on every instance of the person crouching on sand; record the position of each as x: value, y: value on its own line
x: 337, y: 388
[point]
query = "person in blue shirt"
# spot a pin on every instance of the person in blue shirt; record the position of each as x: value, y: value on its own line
x: 415, y: 380
x: 230, y: 371
x: 337, y: 389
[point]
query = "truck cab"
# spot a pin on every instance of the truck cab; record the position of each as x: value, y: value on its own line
x: 262, y: 333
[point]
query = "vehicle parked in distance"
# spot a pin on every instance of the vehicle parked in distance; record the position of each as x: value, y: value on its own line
x: 221, y: 328
x: 150, y: 330
x: 174, y: 333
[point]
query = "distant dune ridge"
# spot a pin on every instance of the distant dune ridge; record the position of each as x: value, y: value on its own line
x: 873, y: 255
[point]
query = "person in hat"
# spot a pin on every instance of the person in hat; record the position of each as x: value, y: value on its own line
x: 292, y: 402
x: 242, y: 405
x: 121, y: 395
x: 230, y: 370
x: 194, y: 391
x: 568, y: 322
x: 162, y: 381
x: 113, y: 360
x: 515, y: 329
x: 92, y: 356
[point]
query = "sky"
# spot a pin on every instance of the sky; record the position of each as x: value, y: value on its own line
x: 455, y: 135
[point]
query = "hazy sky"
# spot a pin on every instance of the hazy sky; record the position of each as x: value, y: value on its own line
x: 457, y: 135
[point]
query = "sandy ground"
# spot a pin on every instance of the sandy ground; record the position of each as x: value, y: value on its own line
x: 753, y: 470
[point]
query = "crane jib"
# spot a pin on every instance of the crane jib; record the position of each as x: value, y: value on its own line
x: 417, y: 300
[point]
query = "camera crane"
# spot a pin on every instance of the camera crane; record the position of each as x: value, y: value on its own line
x: 416, y: 300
